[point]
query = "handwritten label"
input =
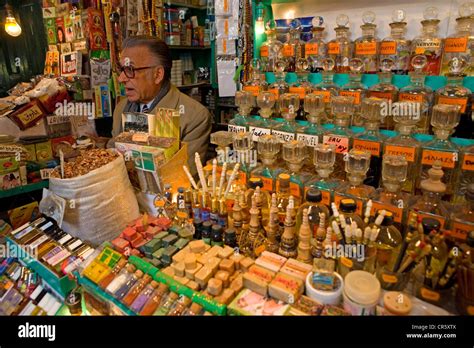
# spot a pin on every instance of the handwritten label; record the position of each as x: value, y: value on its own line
x: 366, y: 48
x: 455, y: 44
x: 381, y: 95
x: 334, y: 48
x: 288, y: 50
x: 454, y: 101
x: 355, y: 95
x: 254, y: 89
x: 429, y: 294
x: 417, y: 98
x: 264, y: 51
x: 397, y: 212
x: 309, y: 140
x: 359, y: 202
x: 460, y: 230
x: 326, y: 95
x: 301, y: 91
x: 311, y: 49
x: 446, y: 158
x: 389, y: 278
x: 45, y: 173
x: 236, y: 129
x: 408, y: 152
x: 468, y: 162
x: 388, y: 47
x: 257, y: 132
x: 371, y: 146
x: 275, y: 92
x: 284, y: 136
x: 342, y: 143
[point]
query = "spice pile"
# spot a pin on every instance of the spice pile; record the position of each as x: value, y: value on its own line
x: 86, y: 162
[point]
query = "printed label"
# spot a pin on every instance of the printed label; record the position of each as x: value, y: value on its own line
x: 389, y: 278
x: 254, y: 89
x: 311, y: 49
x: 429, y: 294
x: 236, y: 129
x: 417, y: 98
x: 455, y: 44
x: 267, y: 183
x: 397, y: 212
x: 309, y: 140
x: 342, y: 143
x: 468, y: 162
x: 288, y: 51
x: 408, y: 152
x: 388, y: 47
x: 454, y: 101
x: 366, y: 48
x: 295, y: 189
x: 371, y: 146
x: 446, y: 158
x: 334, y: 48
x: 264, y: 51
x: 381, y: 95
x: 275, y: 92
x: 422, y: 47
x: 355, y: 95
x: 460, y: 230
x: 301, y: 91
x: 346, y: 262
x: 257, y: 132
x: 285, y: 136
x: 359, y: 203
x: 326, y: 95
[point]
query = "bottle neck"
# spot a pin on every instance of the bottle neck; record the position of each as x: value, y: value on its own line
x: 355, y: 179
x: 405, y: 130
x: 430, y: 28
x: 372, y: 128
x: 341, y: 32
x: 442, y: 134
x: 294, y: 167
x: 318, y: 33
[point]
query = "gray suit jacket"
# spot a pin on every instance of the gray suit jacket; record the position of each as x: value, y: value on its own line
x: 195, y: 122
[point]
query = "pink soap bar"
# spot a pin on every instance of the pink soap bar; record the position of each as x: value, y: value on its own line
x: 135, y: 252
x: 139, y: 226
x: 129, y: 234
x: 164, y: 223
x: 152, y: 231
x: 137, y: 241
x: 153, y: 221
x: 120, y: 244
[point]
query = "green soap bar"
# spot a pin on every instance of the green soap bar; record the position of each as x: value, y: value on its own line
x: 153, y: 245
x: 185, y: 233
x: 157, y: 263
x: 181, y: 243
x: 157, y: 254
x: 168, y: 254
x: 161, y: 235
x: 174, y: 229
x: 169, y: 240
x: 148, y: 255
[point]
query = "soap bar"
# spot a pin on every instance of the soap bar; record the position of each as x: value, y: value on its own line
x: 180, y: 255
x: 169, y: 240
x: 185, y: 233
x: 246, y: 263
x: 137, y: 240
x: 237, y: 284
x: 168, y: 271
x: 161, y: 235
x: 152, y: 231
x: 286, y: 288
x: 271, y: 261
x: 203, y: 259
x: 226, y: 296
x: 224, y: 276
x: 296, y: 269
x: 163, y: 222
x: 190, y: 261
x: 193, y: 285
x: 214, y: 286
x: 213, y: 263
x: 168, y: 254
x: 182, y: 280
x: 197, y: 246
x: 135, y: 252
x: 237, y: 258
x: 308, y: 306
x: 265, y: 274
x: 203, y: 276
x: 227, y: 265
x: 191, y: 273
x: 157, y: 263
x: 140, y: 226
x: 226, y: 252
x: 174, y: 230
x: 120, y: 244
x: 129, y: 234
x: 152, y: 246
x: 159, y: 253
x: 181, y: 243
x: 214, y: 251
x: 255, y: 283
x: 178, y: 269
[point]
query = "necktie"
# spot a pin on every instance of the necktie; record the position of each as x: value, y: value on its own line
x: 145, y: 109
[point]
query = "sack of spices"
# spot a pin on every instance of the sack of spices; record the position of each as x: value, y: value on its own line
x: 100, y: 198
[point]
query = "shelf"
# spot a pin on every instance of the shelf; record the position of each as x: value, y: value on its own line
x: 24, y: 189
x: 193, y: 85
x: 180, y: 4
x: 176, y: 47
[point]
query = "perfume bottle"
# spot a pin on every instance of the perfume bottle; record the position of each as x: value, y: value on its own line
x: 388, y: 244
x: 456, y: 94
x: 243, y: 145
x: 466, y: 175
x: 462, y: 219
x: 302, y: 86
x: 312, y: 134
x: 324, y: 159
x: 293, y: 49
x: 270, y: 50
x: 283, y: 195
x: 385, y: 90
x: 429, y: 204
x: 429, y: 43
x: 120, y: 279
x: 132, y: 295
x: 245, y: 101
x: 417, y: 92
x: 461, y: 44
x: 357, y: 164
x: 315, y: 208
x: 341, y: 49
x: 367, y: 46
x: 289, y: 106
x: 105, y: 281
x: 279, y: 87
x: 344, y: 217
x: 222, y: 139
x: 341, y: 135
x: 444, y: 119
x: 294, y: 154
x: 370, y: 139
x: 125, y: 288
x: 315, y: 49
x: 355, y: 89
x: 390, y: 197
x: 396, y: 47
x: 266, y: 102
x: 288, y: 244
x: 257, y: 82
x: 327, y: 88
x: 268, y: 148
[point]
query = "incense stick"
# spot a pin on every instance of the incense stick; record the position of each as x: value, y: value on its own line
x: 190, y: 177
x: 223, y: 173
x: 231, y: 179
x: 202, y: 178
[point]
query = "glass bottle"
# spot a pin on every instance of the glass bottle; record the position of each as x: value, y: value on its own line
x: 243, y: 145
x: 314, y: 206
x: 125, y: 288
x: 323, y: 159
x: 279, y: 87
x: 283, y: 195
x: 216, y: 235
x: 444, y: 119
x: 315, y: 49
x: 429, y: 204
x: 327, y: 88
x: 390, y: 197
x: 144, y: 297
x: 206, y: 232
x: 136, y: 290
x: 429, y: 43
x: 417, y: 92
x: 462, y: 219
x: 257, y: 82
x: 245, y: 101
x: 268, y: 148
x: 367, y: 46
x: 120, y: 279
x: 222, y: 139
x: 156, y: 298
x: 466, y: 175
x: 341, y: 49
x: 370, y: 139
x: 461, y: 44
x: 302, y: 86
x: 270, y: 50
x: 293, y: 49
x: 105, y: 281
x: 341, y: 135
x: 313, y: 133
x: 265, y: 101
x: 168, y: 304
x: 357, y: 164
x: 182, y: 304
x: 294, y: 154
x: 289, y: 106
x: 455, y: 93
x: 288, y: 243
x: 345, y: 216
x: 385, y: 90
x: 388, y: 243
x: 396, y: 47
x: 355, y: 89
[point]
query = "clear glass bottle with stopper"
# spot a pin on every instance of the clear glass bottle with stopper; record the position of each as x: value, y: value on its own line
x: 461, y: 44
x: 266, y: 102
x: 302, y: 86
x: 396, y: 47
x: 456, y: 94
x: 293, y: 49
x: 444, y: 119
x: 429, y: 43
x: 222, y: 140
x: 327, y: 88
x: 279, y: 87
x: 367, y: 46
x: 355, y: 89
x: 294, y: 154
x: 417, y: 92
x: 243, y: 145
x: 257, y: 82
x: 315, y: 49
x: 341, y: 49
x: 462, y: 219
x: 341, y: 134
x: 268, y: 148
x: 289, y: 106
x: 245, y: 101
x: 270, y: 50
x: 466, y: 175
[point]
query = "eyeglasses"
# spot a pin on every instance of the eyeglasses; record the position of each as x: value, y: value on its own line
x: 129, y: 70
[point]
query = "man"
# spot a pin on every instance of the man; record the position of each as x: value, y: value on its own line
x: 145, y: 70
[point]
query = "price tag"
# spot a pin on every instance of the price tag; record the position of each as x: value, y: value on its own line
x: 462, y: 102
x: 236, y: 129
x: 342, y: 143
x: 408, y: 152
x: 309, y: 140
x: 455, y: 44
x: 45, y: 173
x: 284, y: 136
x: 388, y: 47
x: 257, y: 132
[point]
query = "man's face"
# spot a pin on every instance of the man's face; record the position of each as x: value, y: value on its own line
x: 146, y: 83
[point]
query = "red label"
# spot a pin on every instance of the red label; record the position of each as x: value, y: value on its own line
x: 295, y: 189
x: 267, y: 183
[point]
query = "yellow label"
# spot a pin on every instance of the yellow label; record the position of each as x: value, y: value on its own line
x: 468, y: 162
x: 254, y: 89
x: 267, y: 183
x: 447, y: 159
x: 454, y: 101
x: 371, y: 146
x: 140, y: 137
x: 429, y: 294
x: 295, y: 189
x: 460, y: 230
x: 288, y: 50
x: 366, y: 48
x: 417, y: 98
x: 346, y: 262
x: 396, y: 211
x: 260, y: 249
x: 388, y: 47
x: 408, y: 152
x: 441, y: 219
x: 30, y: 115
x: 389, y: 278
x: 275, y: 92
x: 359, y: 203
x: 301, y: 91
x: 326, y: 95
x: 264, y: 51
x: 334, y: 48
x: 455, y: 44
x: 381, y: 95
x: 355, y: 95
x: 311, y: 49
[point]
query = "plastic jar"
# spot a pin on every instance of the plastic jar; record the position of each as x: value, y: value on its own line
x: 361, y: 293
x: 324, y: 297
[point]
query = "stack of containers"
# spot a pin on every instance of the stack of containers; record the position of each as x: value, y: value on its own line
x: 177, y: 73
x: 171, y: 25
